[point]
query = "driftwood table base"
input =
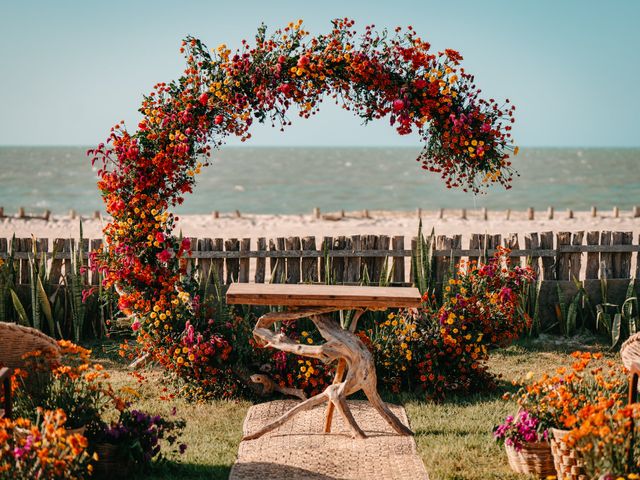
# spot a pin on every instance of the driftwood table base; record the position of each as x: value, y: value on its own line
x: 355, y: 369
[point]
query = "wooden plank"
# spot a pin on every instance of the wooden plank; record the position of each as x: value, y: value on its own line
x: 25, y: 245
x: 606, y: 258
x: 593, y: 258
x: 456, y: 244
x: 204, y: 264
x: 96, y: 247
x: 277, y: 266
x: 243, y: 275
x: 442, y: 263
x: 327, y: 246
x: 218, y: 264
x: 293, y: 264
x: 232, y: 264
x: 398, y: 260
x: 621, y: 261
x: 337, y: 263
x: 340, y: 296
x: 563, y: 260
x: 511, y: 242
x: 532, y: 242
x: 476, y: 242
x: 55, y: 273
x: 309, y: 265
x: 68, y: 248
x: 261, y: 262
x: 369, y: 242
x: 548, y: 270
x: 637, y: 275
x: 383, y: 245
x: 414, y: 247
x: 575, y: 259
x: 352, y: 265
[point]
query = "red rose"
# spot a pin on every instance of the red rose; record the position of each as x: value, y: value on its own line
x: 218, y: 119
x: 204, y: 98
x: 398, y: 105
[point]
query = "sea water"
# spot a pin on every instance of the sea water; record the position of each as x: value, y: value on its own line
x: 297, y: 179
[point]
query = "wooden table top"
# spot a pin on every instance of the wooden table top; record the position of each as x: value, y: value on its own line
x: 340, y: 296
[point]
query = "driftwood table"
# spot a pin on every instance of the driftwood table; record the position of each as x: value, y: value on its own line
x: 355, y: 368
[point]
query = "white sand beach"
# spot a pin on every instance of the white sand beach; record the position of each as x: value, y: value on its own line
x: 333, y: 224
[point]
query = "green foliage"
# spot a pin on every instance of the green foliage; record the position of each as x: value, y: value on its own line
x: 422, y: 262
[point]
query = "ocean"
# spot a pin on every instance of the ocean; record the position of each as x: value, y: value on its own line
x: 295, y: 180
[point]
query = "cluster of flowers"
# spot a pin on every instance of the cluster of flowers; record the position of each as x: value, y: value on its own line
x: 524, y: 428
x: 143, y: 174
x: 69, y: 381
x: 137, y: 436
x: 58, y: 393
x: 482, y: 308
x: 589, y: 399
x: 42, y: 449
x: 443, y: 348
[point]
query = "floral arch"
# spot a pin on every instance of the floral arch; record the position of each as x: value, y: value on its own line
x: 467, y: 141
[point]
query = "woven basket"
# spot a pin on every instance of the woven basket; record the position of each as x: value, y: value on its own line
x: 568, y: 461
x: 17, y: 340
x: 532, y: 458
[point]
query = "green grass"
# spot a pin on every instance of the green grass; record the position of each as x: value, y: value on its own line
x: 453, y: 438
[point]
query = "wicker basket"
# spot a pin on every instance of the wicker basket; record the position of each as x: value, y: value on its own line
x: 110, y: 463
x: 532, y: 458
x: 567, y: 461
x: 17, y: 340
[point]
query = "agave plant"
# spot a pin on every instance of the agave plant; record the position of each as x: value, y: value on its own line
x: 422, y: 262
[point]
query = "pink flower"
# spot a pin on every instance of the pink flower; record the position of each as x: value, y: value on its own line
x: 185, y: 245
x: 303, y: 61
x: 135, y: 326
x: 398, y: 105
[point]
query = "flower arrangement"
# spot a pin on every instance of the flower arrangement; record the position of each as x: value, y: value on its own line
x: 605, y: 435
x: 145, y: 173
x: 73, y: 384
x: 138, y: 438
x: 558, y: 400
x: 482, y: 307
x: 46, y: 450
x: 517, y: 431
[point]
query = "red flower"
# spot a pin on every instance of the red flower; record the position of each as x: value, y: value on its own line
x: 165, y: 255
x: 203, y: 99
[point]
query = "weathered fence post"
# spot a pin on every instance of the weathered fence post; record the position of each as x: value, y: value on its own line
x: 593, y: 258
x: 261, y: 262
x: 397, y: 244
x: 546, y: 243
x: 232, y: 264
x: 293, y: 263
x: 309, y: 264
x: 606, y: 258
x: 245, y: 246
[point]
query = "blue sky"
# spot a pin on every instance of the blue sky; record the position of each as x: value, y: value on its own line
x: 69, y: 70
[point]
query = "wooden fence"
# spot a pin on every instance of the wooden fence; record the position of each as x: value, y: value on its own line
x: 558, y: 258
x: 562, y: 256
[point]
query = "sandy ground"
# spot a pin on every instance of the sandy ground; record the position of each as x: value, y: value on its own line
x: 386, y: 223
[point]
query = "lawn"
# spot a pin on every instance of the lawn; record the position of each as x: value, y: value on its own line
x: 454, y: 438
